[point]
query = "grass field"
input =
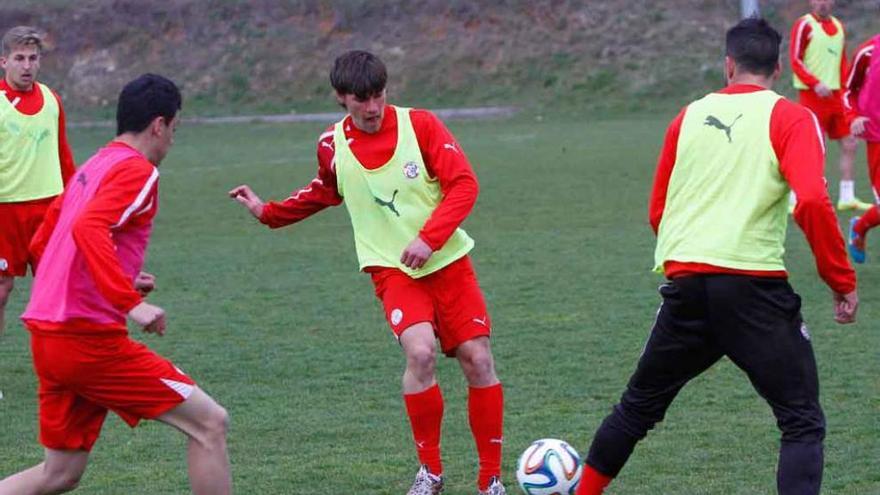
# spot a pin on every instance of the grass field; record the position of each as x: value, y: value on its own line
x: 283, y: 331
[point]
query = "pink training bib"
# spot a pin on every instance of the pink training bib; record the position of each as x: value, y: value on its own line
x: 869, y: 96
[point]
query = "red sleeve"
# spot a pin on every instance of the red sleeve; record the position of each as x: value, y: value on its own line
x: 799, y: 146
x: 320, y: 193
x: 445, y: 161
x: 800, y: 38
x: 92, y: 229
x: 65, y: 156
x: 44, y: 232
x: 856, y: 77
x: 665, y: 163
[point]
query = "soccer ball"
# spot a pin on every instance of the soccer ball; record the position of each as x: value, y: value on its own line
x: 549, y: 467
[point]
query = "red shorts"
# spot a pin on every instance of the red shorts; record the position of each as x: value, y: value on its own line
x: 828, y: 111
x: 450, y: 299
x: 81, y: 378
x: 18, y: 224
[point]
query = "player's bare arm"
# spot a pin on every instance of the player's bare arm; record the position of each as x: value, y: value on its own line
x: 247, y: 197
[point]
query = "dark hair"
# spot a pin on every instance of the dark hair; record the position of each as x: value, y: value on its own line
x: 754, y: 45
x: 143, y: 99
x: 359, y: 73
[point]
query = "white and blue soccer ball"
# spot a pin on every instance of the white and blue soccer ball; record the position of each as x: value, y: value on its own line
x: 549, y: 467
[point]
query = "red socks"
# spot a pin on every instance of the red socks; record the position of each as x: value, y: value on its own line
x: 868, y: 220
x: 425, y: 410
x: 486, y: 417
x: 592, y: 482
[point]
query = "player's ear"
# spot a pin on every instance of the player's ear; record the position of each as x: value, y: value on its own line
x: 777, y: 71
x: 729, y: 67
x: 157, y: 126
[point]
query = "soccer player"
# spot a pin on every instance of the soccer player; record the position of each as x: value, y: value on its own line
x: 718, y: 207
x: 818, y: 60
x: 862, y: 99
x: 35, y: 159
x: 89, y: 252
x: 408, y: 185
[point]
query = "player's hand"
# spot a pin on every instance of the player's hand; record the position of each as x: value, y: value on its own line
x: 244, y: 195
x: 845, y: 307
x: 145, y: 283
x: 858, y: 126
x: 822, y: 90
x: 416, y: 254
x: 150, y: 318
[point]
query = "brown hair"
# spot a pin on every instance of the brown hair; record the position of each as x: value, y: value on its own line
x: 21, y: 36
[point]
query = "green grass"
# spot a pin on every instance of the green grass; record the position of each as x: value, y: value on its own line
x: 282, y: 330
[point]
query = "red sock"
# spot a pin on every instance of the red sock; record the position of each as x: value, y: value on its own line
x: 425, y: 410
x: 592, y: 482
x: 486, y: 417
x: 868, y: 220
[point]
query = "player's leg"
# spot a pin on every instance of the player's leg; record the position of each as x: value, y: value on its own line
x: 763, y: 333
x: 424, y: 405
x: 679, y: 348
x: 410, y: 313
x: 485, y: 407
x: 69, y: 425
x: 60, y: 472
x: 6, y: 286
x: 205, y: 423
x: 859, y: 226
x: 463, y: 327
x: 847, y: 198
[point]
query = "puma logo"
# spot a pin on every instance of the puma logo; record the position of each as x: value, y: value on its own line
x: 496, y: 440
x: 450, y: 146
x: 831, y: 51
x: 714, y: 122
x: 480, y: 322
x: 81, y: 178
x: 389, y: 204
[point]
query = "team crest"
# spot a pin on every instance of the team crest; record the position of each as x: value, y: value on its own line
x: 411, y: 170
x: 4, y: 264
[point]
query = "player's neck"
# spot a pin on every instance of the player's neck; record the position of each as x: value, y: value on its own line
x: 137, y: 142
x: 763, y: 82
x: 821, y: 17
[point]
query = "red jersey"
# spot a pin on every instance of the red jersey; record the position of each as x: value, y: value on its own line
x: 801, y: 33
x: 30, y: 103
x: 444, y: 160
x: 799, y: 146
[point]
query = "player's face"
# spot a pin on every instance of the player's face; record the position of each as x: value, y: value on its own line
x: 164, y: 133
x: 366, y: 113
x: 822, y: 8
x: 21, y: 66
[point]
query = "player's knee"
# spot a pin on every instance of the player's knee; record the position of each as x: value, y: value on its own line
x: 849, y: 144
x: 216, y: 424
x: 421, y: 359
x: 479, y: 366
x: 803, y: 428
